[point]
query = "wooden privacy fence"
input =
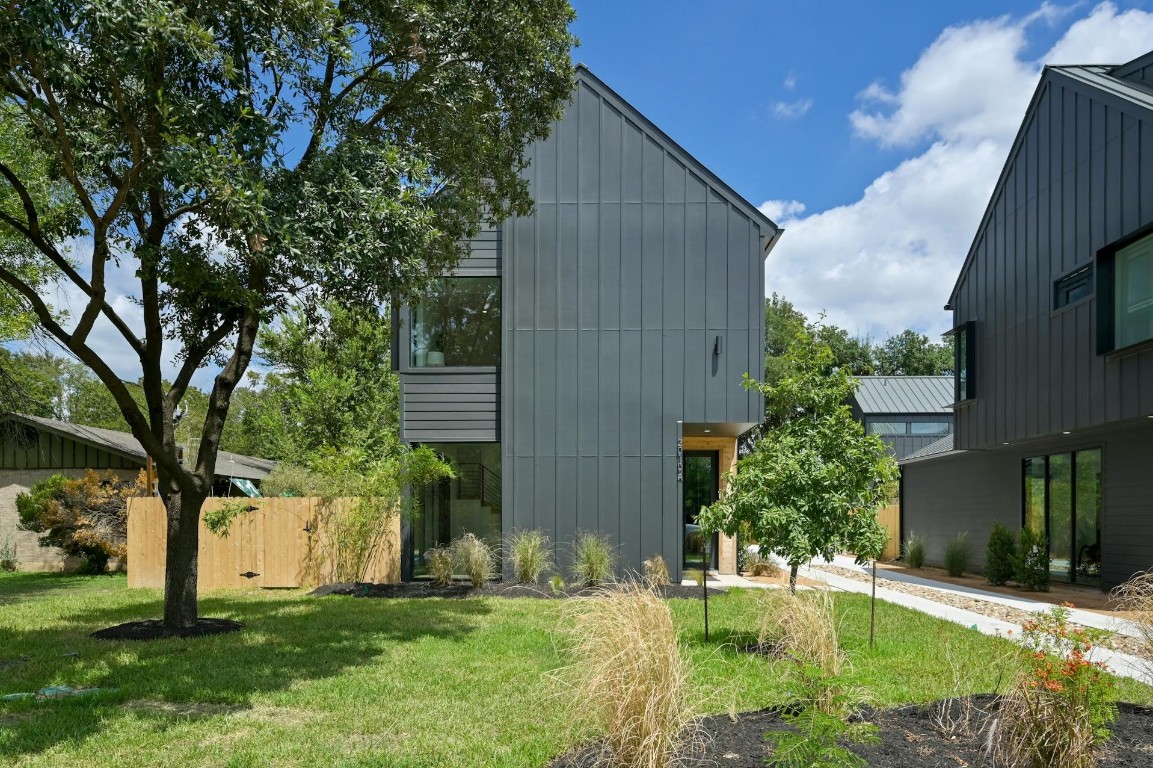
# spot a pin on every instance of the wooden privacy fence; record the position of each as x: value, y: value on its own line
x: 890, y: 519
x: 280, y: 542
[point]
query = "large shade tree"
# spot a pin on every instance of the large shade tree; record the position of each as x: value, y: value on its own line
x: 231, y: 157
x: 812, y: 484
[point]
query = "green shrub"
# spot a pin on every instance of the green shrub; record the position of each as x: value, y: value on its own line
x: 8, y: 561
x: 593, y: 558
x: 474, y: 558
x: 439, y: 560
x: 957, y: 555
x: 1032, y: 561
x: 1000, y: 555
x: 913, y: 553
x: 528, y: 552
x: 557, y: 583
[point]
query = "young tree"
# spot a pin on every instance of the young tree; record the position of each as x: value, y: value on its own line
x: 812, y: 484
x: 235, y: 156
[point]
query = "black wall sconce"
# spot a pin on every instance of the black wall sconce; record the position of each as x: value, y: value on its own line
x: 717, y: 345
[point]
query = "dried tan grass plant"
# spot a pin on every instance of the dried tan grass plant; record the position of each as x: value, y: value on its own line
x: 629, y: 677
x: 656, y: 571
x: 475, y: 558
x: 803, y: 628
x: 1136, y: 597
x: 439, y: 561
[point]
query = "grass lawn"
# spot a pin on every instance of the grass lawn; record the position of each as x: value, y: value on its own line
x: 349, y: 682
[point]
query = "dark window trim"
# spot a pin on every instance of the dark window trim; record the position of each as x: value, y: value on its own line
x: 1105, y: 291
x: 1086, y: 272
x: 968, y: 329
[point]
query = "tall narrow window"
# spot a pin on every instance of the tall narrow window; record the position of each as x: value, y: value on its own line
x: 964, y: 356
x: 458, y: 324
x: 1062, y: 496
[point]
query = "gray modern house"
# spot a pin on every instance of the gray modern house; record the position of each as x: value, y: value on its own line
x: 582, y: 367
x: 1053, y: 316
x: 908, y: 413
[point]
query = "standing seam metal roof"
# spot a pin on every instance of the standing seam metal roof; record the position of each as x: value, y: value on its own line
x: 905, y: 394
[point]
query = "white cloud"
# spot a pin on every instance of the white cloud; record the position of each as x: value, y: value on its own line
x: 792, y: 109
x: 790, y: 82
x: 888, y: 260
x: 782, y: 211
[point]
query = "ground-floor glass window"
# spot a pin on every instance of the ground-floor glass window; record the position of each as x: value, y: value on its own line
x: 468, y: 503
x: 1062, y: 495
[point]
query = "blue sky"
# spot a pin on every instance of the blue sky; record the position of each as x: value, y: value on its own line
x: 873, y: 132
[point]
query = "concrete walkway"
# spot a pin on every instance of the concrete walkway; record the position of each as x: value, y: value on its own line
x: 1120, y: 664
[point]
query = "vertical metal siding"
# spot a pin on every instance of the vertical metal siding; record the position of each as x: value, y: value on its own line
x: 1081, y: 178
x: 615, y: 290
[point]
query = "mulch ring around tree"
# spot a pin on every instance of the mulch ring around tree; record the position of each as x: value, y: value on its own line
x: 908, y: 739
x: 418, y: 589
x: 154, y: 629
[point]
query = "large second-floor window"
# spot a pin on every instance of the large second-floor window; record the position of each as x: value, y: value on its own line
x: 1125, y: 293
x: 457, y: 324
x: 1133, y: 293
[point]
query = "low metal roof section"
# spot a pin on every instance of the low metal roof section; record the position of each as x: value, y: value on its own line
x: 122, y: 443
x: 1110, y: 81
x: 905, y: 394
x: 932, y: 450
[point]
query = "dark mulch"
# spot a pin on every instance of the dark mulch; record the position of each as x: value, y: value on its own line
x: 415, y: 589
x: 154, y: 629
x: 908, y: 739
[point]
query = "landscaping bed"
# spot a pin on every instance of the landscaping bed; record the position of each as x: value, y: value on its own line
x: 458, y: 590
x: 908, y: 738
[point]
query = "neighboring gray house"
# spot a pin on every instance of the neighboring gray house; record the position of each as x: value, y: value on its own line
x: 906, y: 412
x: 583, y: 366
x: 1053, y: 315
x: 33, y: 449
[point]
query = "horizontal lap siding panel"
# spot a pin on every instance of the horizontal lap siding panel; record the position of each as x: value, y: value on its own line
x: 450, y: 407
x: 483, y: 254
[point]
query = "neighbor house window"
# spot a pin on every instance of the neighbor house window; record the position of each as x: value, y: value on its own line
x: 930, y: 427
x: 457, y: 324
x: 888, y: 428
x: 1125, y: 294
x: 964, y: 355
x: 1073, y: 287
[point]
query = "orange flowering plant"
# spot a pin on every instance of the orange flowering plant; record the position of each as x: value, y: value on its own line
x: 1061, y: 706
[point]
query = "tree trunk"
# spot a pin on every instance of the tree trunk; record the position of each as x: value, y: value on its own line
x: 180, y: 559
x: 792, y: 579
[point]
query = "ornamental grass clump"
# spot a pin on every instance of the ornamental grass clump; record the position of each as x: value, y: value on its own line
x: 629, y: 678
x: 957, y: 555
x: 1136, y: 597
x: 656, y: 571
x: 439, y: 561
x: 474, y: 558
x: 913, y: 553
x: 528, y: 552
x: 1059, y: 709
x: 593, y: 558
x: 762, y: 566
x: 803, y: 628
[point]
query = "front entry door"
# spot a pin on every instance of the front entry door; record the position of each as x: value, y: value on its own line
x: 701, y: 485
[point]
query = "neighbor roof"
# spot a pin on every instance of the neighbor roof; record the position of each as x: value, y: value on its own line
x: 227, y: 464
x: 944, y: 445
x: 905, y: 394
